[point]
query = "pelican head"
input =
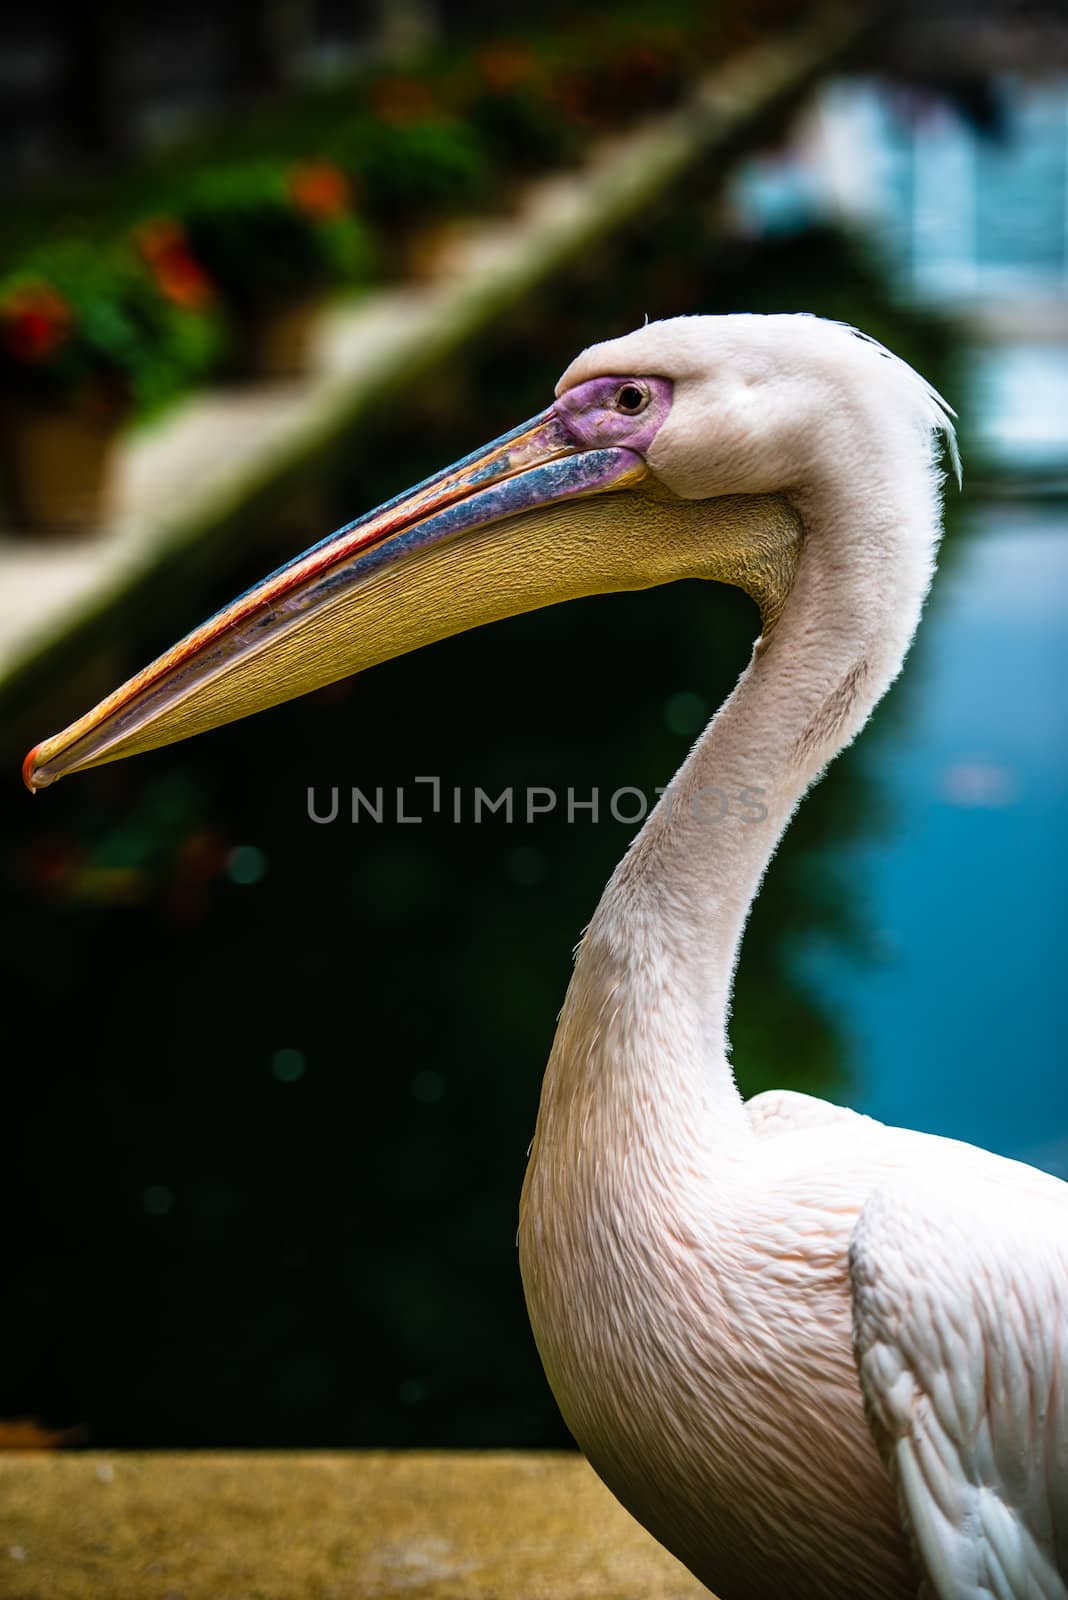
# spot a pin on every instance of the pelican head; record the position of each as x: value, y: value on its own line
x: 664, y: 455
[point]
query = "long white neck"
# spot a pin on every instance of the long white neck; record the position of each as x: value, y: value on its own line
x: 643, y: 1033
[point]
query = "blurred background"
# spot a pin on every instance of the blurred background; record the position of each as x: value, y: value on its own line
x: 271, y: 1081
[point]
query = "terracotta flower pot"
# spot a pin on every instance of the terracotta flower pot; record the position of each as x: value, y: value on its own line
x: 57, y: 464
x: 278, y: 341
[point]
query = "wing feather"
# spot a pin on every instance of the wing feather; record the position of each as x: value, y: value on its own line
x: 960, y: 1317
x: 777, y: 1111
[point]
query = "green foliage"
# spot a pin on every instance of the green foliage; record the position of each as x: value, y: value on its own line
x: 261, y: 243
x: 408, y: 172
x: 524, y: 128
x: 79, y: 325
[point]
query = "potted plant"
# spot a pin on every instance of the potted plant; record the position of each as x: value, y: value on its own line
x: 508, y: 101
x: 88, y: 336
x: 274, y: 240
x: 417, y: 172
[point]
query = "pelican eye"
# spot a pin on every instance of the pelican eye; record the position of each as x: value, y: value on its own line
x: 631, y: 399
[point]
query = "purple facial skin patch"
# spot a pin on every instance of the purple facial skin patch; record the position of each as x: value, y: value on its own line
x: 615, y: 411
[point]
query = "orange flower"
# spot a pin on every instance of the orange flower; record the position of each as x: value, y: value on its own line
x: 320, y: 190
x: 34, y: 321
x: 178, y: 274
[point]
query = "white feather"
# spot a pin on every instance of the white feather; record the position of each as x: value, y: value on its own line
x: 961, y: 1316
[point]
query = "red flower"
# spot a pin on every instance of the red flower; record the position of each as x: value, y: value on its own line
x: 320, y: 190
x: 34, y: 321
x: 178, y: 274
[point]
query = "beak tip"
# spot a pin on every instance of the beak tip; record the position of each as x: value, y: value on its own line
x: 33, y: 776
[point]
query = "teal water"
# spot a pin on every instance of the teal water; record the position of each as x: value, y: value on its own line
x: 958, y: 1008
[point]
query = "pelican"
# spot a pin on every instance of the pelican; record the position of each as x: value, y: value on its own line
x: 819, y: 1358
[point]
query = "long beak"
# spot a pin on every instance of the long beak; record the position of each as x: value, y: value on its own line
x: 444, y: 557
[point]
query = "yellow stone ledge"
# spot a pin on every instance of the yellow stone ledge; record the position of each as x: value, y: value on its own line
x: 359, y: 1525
